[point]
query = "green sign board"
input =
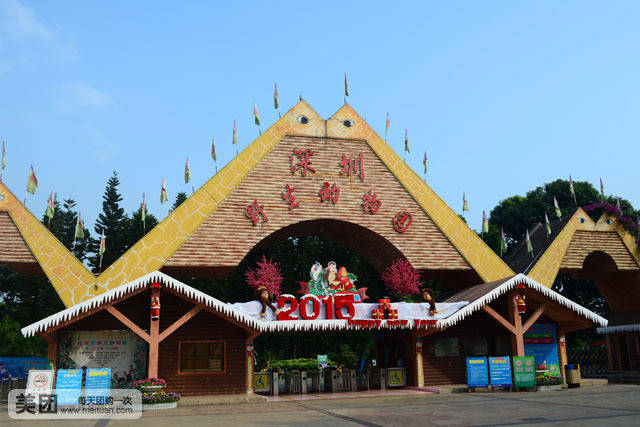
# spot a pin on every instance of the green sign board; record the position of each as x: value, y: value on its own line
x: 323, y: 360
x: 524, y: 371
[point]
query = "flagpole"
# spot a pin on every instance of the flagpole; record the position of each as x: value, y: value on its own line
x: 100, y: 268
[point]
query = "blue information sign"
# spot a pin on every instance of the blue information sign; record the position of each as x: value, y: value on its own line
x: 68, y: 386
x: 97, y: 385
x: 500, y: 370
x: 477, y: 372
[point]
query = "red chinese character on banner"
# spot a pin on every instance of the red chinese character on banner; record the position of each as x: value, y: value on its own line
x: 289, y: 198
x: 254, y: 211
x: 329, y: 192
x: 304, y: 163
x: 402, y: 221
x: 354, y: 165
x: 370, y: 202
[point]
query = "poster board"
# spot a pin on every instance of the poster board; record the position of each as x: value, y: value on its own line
x: 68, y: 386
x: 40, y: 381
x: 395, y: 377
x: 123, y: 352
x: 541, y: 343
x: 524, y: 372
x: 477, y: 372
x: 98, y: 384
x: 500, y: 371
x: 261, y: 382
x: 19, y: 367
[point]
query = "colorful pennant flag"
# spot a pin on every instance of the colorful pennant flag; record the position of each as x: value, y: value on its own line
x: 346, y: 85
x: 555, y: 205
x: 234, y: 141
x: 406, y: 141
x: 424, y: 162
x: 529, y: 245
x: 573, y: 193
x: 143, y: 211
x: 503, y: 242
x: 164, y: 197
x: 103, y: 248
x: 187, y: 172
x: 32, y: 182
x: 618, y: 204
x: 601, y: 191
x: 275, y: 97
x: 51, y: 209
x: 214, y: 156
x: 386, y: 129
x: 256, y: 119
x: 547, y: 224
x: 4, y: 157
x: 103, y: 245
x: 485, y: 222
x: 465, y: 204
x: 79, y: 228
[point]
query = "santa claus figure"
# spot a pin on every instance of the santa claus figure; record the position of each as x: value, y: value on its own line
x: 155, y: 304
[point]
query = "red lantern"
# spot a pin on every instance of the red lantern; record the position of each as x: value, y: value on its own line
x: 522, y: 307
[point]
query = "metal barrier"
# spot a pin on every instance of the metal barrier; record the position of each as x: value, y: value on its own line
x: 293, y: 382
x: 7, y: 385
x: 593, y: 361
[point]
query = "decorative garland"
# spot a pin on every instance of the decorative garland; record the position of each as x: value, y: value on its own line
x: 618, y: 214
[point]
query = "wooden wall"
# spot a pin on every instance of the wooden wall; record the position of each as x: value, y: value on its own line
x: 452, y: 369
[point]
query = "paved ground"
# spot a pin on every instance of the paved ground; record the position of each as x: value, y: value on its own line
x: 607, y: 405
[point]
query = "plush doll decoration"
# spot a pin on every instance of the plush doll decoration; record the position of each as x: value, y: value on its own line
x: 155, y: 304
x: 263, y: 295
x: 522, y: 306
x: 427, y: 295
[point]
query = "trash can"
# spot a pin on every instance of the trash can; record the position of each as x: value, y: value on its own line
x: 572, y: 373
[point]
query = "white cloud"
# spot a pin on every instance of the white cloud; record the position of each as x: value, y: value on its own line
x: 73, y: 95
x: 20, y: 25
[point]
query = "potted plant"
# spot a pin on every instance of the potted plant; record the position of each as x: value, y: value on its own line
x: 150, y: 385
x: 549, y: 382
x: 159, y: 400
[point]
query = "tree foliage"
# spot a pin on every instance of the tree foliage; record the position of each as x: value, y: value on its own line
x: 401, y: 278
x: 267, y: 274
x: 114, y: 223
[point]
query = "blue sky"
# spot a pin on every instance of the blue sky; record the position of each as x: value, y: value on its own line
x: 503, y: 95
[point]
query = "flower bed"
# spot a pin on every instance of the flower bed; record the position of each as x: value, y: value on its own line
x: 160, y: 397
x: 150, y: 382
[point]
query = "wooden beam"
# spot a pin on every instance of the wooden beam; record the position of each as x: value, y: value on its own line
x: 154, y: 339
x: 127, y: 322
x: 252, y: 336
x: 609, y: 351
x: 181, y: 321
x: 517, y: 340
x: 536, y: 314
x: 501, y: 320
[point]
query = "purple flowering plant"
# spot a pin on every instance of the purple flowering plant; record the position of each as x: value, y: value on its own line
x: 160, y: 397
x: 628, y: 223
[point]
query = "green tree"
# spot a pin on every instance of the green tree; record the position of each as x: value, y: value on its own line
x: 180, y: 198
x: 114, y: 222
x: 63, y: 226
x: 135, y: 228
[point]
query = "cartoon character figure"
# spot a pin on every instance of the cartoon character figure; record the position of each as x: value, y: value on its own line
x: 427, y: 295
x: 155, y: 308
x: 317, y: 285
x: 330, y: 275
x: 262, y: 294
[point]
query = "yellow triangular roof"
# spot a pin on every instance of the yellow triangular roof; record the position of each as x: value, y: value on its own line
x: 152, y: 251
x: 546, y: 268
